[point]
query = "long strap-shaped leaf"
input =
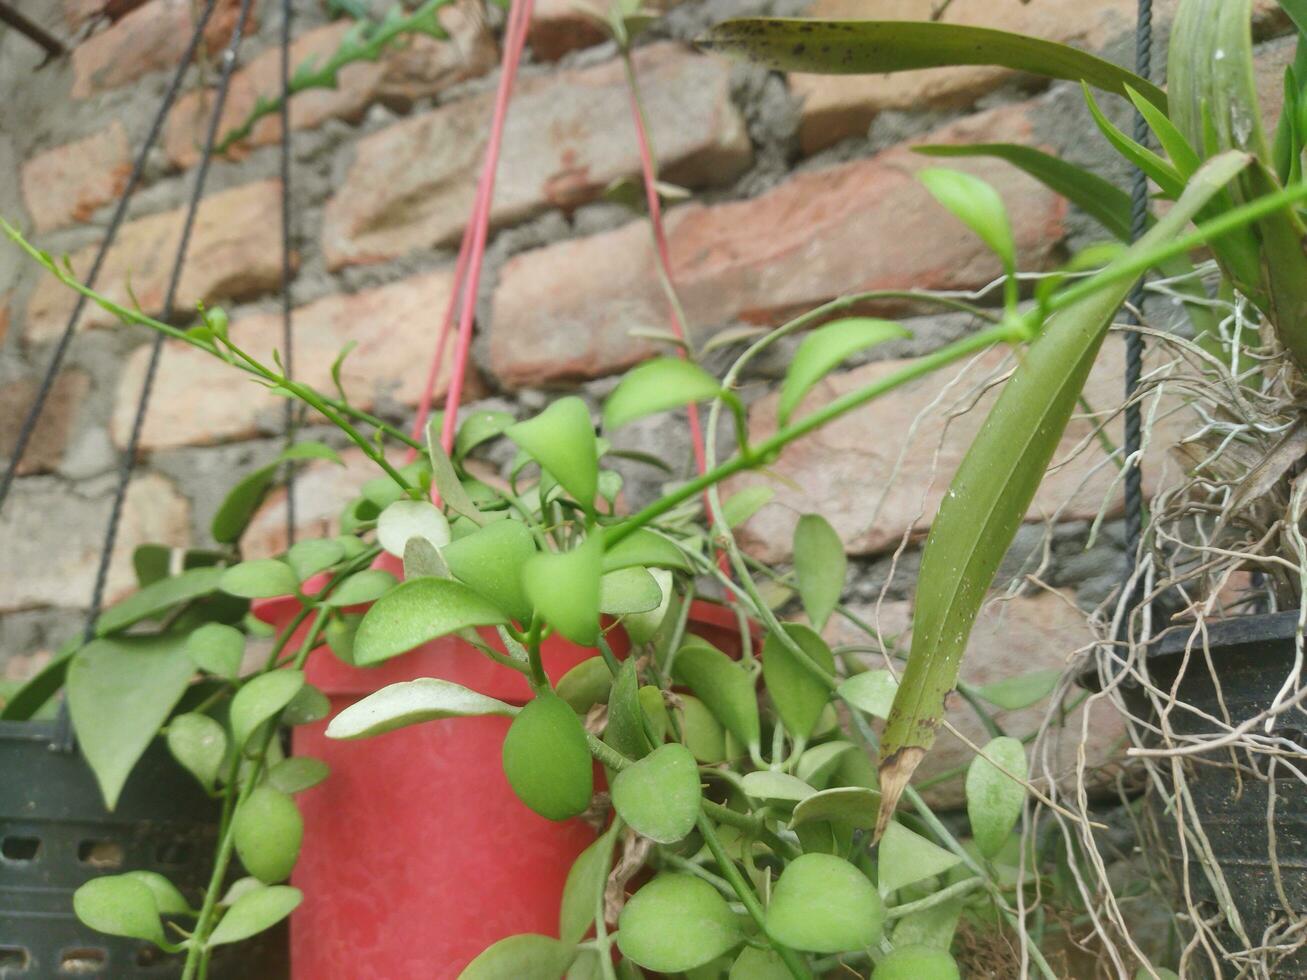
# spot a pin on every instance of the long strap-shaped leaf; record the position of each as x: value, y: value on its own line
x: 993, y: 488
x: 863, y: 47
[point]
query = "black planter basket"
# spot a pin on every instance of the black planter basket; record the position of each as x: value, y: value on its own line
x: 55, y: 834
x: 1250, y: 656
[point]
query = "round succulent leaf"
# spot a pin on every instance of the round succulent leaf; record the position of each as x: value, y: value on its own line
x: 656, y: 386
x: 628, y: 590
x: 767, y: 785
x: 406, y: 519
x: 723, y: 685
x: 523, y: 957
x: 120, y: 906
x: 157, y: 598
x: 167, y: 898
x: 758, y: 964
x: 702, y: 733
x: 995, y: 799
x: 645, y: 548
x: 905, y: 858
x: 676, y: 923
x: 268, y: 831
x: 819, y: 763
x: 416, y: 611
x: 871, y: 691
x: 307, y: 558
x: 362, y: 587
x: 823, y: 904
x: 217, y: 648
x: 824, y: 349
x: 547, y: 760
x: 263, y: 578
x: 261, y: 698
x: 659, y: 796
x: 917, y: 963
x: 642, y: 627
x: 851, y: 806
x: 410, y: 703
x: 799, y: 696
x: 655, y: 712
x: 1022, y: 691
x: 565, y: 587
x: 819, y: 567
x: 298, y: 773
x: 585, y: 685
x: 490, y: 560
x: 562, y: 440
x: 256, y: 910
x: 199, y: 744
x: 585, y: 888
x: 307, y: 706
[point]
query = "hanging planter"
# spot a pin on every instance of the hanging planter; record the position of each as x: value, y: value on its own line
x: 56, y: 835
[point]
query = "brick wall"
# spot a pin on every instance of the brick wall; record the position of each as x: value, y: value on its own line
x: 802, y: 189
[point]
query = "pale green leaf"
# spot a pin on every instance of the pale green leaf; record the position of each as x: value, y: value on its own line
x: 263, y: 578
x: 853, y: 806
x: 628, y: 590
x: 307, y: 558
x: 584, y: 889
x: 743, y: 504
x: 647, y: 548
x: 238, y: 507
x: 819, y: 566
x: 259, y: 699
x: 158, y: 598
x: 200, y: 744
x: 524, y: 957
x: 562, y: 440
x: 905, y: 858
x: 297, y: 774
x: 267, y: 830
x: 217, y: 649
x: 658, y: 386
x: 585, y: 685
x: 406, y: 519
x: 994, y: 798
x: 167, y: 898
x: 659, y: 796
x: 768, y: 785
x: 823, y: 904
x: 824, y: 349
x: 411, y: 703
x: 871, y: 691
x: 119, y: 905
x: 490, y: 560
x: 564, y: 588
x: 798, y: 694
x: 416, y: 611
x: 723, y: 685
x: 1014, y: 693
x: 676, y: 923
x: 917, y: 963
x: 547, y: 759
x: 976, y: 204
x: 255, y: 911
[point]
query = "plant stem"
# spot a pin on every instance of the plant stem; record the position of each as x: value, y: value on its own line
x: 936, y: 898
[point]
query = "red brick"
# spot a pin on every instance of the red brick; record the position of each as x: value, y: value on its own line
x: 560, y: 26
x: 566, y: 311
x: 151, y: 38
x: 838, y: 106
x: 421, y: 68
x: 65, y: 185
x: 55, y: 425
x: 209, y: 401
x: 568, y: 136
x: 53, y: 540
x: 1025, y: 634
x: 6, y: 303
x: 873, y: 491
x: 235, y: 252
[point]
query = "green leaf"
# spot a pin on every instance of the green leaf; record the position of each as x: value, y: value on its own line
x: 820, y: 762
x: 312, y: 449
x: 525, y: 957
x: 977, y: 205
x: 824, y: 349
x: 906, y: 858
x: 995, y: 799
x: 562, y: 440
x: 564, y: 588
x: 585, y: 685
x: 120, y: 691
x: 158, y: 598
x: 659, y: 796
x: 585, y: 888
x: 217, y: 649
x: 307, y: 706
x: 723, y: 685
x: 200, y: 744
x: 297, y: 774
x: 647, y: 548
x: 917, y: 963
x: 255, y: 911
x: 239, y: 506
x: 658, y: 386
x: 307, y: 558
x: 167, y: 899
x: 758, y: 964
x: 765, y: 784
x: 406, y: 519
x: 34, y: 695
x: 263, y: 578
x: 852, y: 806
x: 992, y: 490
x: 1158, y: 170
x: 362, y: 587
x: 743, y: 504
x: 871, y: 47
x: 479, y: 427
x: 798, y: 695
x: 871, y: 691
x: 1184, y: 157
x: 268, y: 830
x: 411, y: 703
x: 1158, y: 973
x: 819, y: 566
x: 676, y: 923
x: 119, y: 905
x: 702, y: 733
x: 625, y: 730
x: 628, y: 590
x: 1015, y: 693
x: 642, y: 627
x: 261, y: 698
x: 490, y: 560
x: 1099, y: 198
x: 547, y: 760
x: 823, y: 904
x: 416, y: 611
x: 151, y: 562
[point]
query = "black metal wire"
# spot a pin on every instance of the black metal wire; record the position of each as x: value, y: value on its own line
x: 1134, y: 341
x: 28, y: 426
x: 64, y: 736
x: 287, y: 339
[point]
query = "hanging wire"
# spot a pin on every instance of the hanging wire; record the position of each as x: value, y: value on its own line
x: 287, y: 345
x: 28, y: 426
x: 64, y: 733
x: 1134, y: 339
